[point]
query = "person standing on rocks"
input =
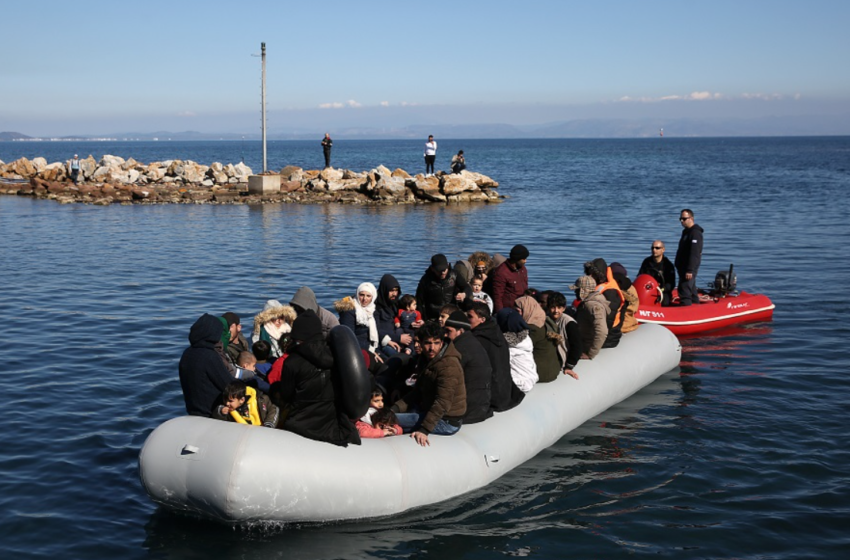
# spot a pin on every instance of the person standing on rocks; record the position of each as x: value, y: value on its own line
x: 74, y: 167
x: 430, y: 155
x: 327, y: 144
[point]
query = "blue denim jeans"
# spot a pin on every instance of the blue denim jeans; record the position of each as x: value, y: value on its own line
x: 410, y: 421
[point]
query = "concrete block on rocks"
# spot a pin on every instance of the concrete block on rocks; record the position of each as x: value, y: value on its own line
x: 263, y: 184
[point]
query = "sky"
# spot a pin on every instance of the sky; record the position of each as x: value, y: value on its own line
x: 99, y: 67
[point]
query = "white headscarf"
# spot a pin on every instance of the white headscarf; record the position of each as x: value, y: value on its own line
x: 366, y: 315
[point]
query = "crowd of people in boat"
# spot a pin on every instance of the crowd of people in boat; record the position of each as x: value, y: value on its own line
x: 471, y: 341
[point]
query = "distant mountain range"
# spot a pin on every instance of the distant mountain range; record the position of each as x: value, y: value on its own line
x: 828, y: 125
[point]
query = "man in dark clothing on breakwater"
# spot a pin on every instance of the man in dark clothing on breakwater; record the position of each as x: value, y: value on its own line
x: 688, y: 258
x: 327, y: 144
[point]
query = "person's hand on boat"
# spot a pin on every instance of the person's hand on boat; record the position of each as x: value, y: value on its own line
x: 226, y: 410
x: 571, y: 373
x: 689, y: 276
x: 584, y: 356
x: 394, y: 345
x: 416, y: 325
x: 421, y: 438
x: 460, y: 296
x: 405, y: 340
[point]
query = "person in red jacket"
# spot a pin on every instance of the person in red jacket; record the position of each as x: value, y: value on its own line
x: 510, y: 279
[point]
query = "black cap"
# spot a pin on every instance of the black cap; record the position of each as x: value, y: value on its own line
x: 518, y: 252
x: 439, y: 262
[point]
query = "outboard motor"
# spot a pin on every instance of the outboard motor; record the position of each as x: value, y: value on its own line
x: 725, y: 282
x: 647, y: 289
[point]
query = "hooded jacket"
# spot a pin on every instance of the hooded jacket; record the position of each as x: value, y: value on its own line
x: 386, y: 311
x: 203, y: 375
x: 306, y: 394
x: 496, y: 347
x: 305, y: 298
x: 592, y: 317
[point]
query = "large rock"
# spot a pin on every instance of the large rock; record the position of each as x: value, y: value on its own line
x: 426, y: 188
x: 242, y: 172
x: 87, y: 167
x: 330, y: 174
x: 53, y: 172
x: 291, y: 173
x: 194, y: 172
x: 111, y: 161
x: 458, y: 183
x: 23, y: 168
x: 39, y: 163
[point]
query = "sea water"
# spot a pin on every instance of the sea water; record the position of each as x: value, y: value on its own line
x: 739, y: 454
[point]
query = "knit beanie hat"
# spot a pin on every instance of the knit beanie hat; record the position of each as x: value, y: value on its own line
x: 439, y: 262
x: 519, y: 252
x: 458, y: 320
x: 306, y: 327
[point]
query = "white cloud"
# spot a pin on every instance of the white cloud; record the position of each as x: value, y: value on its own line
x: 338, y: 105
x: 385, y: 103
x: 186, y: 114
x: 705, y: 96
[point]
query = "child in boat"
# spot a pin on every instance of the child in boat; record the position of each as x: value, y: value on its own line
x: 246, y: 405
x: 408, y: 318
x: 246, y: 370
x: 445, y: 312
x: 262, y: 350
x: 478, y: 293
x: 376, y: 423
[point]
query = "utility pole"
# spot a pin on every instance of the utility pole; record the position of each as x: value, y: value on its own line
x: 265, y: 151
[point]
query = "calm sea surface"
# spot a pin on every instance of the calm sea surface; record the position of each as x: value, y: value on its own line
x: 741, y: 454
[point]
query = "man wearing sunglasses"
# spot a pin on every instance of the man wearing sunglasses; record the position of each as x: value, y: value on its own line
x: 659, y: 267
x: 688, y: 257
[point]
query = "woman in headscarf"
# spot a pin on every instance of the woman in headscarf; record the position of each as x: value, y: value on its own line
x: 358, y: 314
x: 515, y: 329
x: 271, y: 323
x: 544, y: 337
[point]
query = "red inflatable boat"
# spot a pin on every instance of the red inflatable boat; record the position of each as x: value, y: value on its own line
x: 719, y: 308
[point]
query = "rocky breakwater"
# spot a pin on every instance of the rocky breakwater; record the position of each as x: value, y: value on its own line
x: 116, y: 180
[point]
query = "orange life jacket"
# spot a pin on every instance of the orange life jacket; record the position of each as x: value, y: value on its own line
x: 611, y: 284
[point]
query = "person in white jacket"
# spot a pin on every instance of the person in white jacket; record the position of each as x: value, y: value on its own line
x: 430, y: 156
x: 515, y: 329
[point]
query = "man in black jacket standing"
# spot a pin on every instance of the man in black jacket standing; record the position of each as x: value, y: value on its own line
x: 688, y: 258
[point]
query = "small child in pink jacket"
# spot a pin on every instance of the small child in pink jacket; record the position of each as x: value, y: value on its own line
x: 378, y: 421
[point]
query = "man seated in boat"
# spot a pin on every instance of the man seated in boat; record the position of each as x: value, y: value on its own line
x: 477, y: 371
x: 504, y: 395
x: 437, y: 403
x: 610, y: 290
x: 305, y: 392
x: 591, y: 316
x: 203, y: 374
x: 659, y: 267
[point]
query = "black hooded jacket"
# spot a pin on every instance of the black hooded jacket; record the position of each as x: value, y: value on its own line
x: 306, y: 391
x: 203, y: 375
x: 496, y: 347
x: 386, y: 310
